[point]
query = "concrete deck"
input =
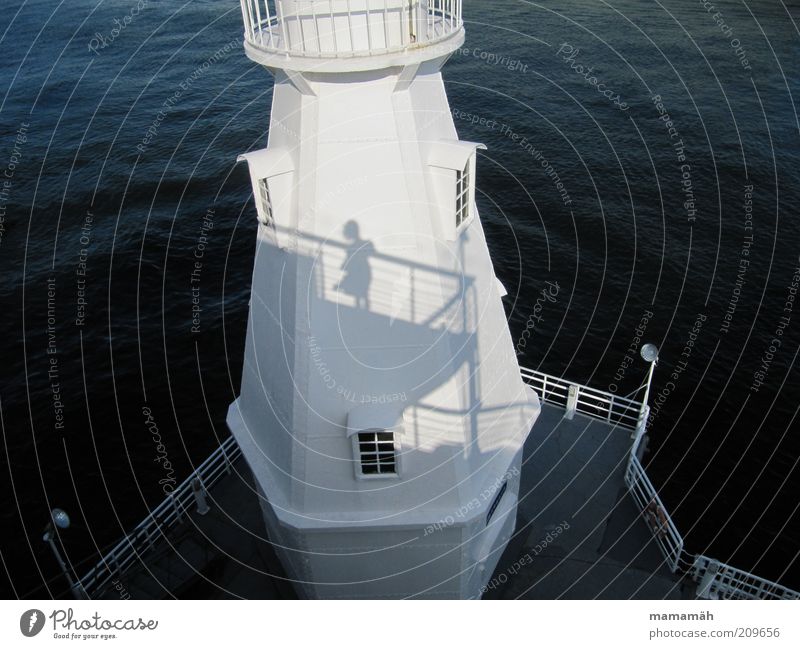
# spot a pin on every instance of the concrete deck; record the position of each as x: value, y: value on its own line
x: 573, y: 475
x: 224, y: 554
x: 579, y: 534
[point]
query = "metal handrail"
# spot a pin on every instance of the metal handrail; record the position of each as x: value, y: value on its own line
x: 170, y: 512
x: 721, y: 581
x: 716, y: 579
x: 661, y: 525
x: 329, y: 28
x: 592, y: 402
x: 655, y: 513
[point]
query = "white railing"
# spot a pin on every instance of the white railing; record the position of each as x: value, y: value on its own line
x: 629, y: 414
x: 716, y: 579
x: 654, y: 512
x: 169, y: 513
x: 720, y: 581
x: 588, y: 401
x: 345, y: 28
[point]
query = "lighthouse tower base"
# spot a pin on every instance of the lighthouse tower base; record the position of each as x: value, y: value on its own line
x: 452, y: 557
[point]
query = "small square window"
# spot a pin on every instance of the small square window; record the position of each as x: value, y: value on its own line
x: 266, y: 202
x: 462, y: 195
x: 376, y: 454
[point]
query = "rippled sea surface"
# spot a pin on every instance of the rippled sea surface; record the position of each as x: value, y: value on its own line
x: 676, y: 144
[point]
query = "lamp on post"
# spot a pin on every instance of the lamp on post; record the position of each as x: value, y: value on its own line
x: 60, y: 519
x: 649, y: 352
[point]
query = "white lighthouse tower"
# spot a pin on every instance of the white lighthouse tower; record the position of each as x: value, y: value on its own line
x: 382, y: 411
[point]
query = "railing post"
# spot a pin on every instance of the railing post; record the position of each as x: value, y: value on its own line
x: 177, y: 509
x: 287, y: 44
x: 644, y: 411
x: 350, y: 26
x: 424, y: 21
x: 333, y: 27
x: 316, y: 28
x: 269, y: 24
x: 678, y: 548
x: 386, y: 24
x: 709, y: 576
x: 248, y: 29
x: 227, y: 459
x: 299, y: 18
x: 258, y: 23
x: 199, y: 494
x: 641, y: 426
x: 572, y: 402
x: 369, y: 30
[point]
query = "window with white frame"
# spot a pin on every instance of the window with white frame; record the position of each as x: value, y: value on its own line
x: 452, y: 174
x: 266, y: 202
x: 462, y: 195
x: 376, y: 454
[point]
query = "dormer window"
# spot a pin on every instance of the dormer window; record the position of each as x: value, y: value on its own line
x: 463, y: 198
x: 376, y: 454
x: 265, y: 208
x: 272, y: 179
x: 451, y: 166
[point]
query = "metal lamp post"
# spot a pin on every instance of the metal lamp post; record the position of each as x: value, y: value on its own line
x: 60, y: 519
x: 649, y: 352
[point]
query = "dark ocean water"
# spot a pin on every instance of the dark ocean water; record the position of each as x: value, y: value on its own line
x: 109, y: 191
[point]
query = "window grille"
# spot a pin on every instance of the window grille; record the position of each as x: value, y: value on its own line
x: 462, y: 195
x: 266, y: 202
x: 377, y: 453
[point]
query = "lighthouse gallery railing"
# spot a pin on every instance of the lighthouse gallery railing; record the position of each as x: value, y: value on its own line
x: 346, y: 28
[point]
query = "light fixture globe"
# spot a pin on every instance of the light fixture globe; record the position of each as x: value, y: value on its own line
x: 649, y: 352
x: 60, y: 518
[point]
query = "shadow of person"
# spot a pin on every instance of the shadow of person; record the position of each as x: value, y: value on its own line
x: 357, y: 272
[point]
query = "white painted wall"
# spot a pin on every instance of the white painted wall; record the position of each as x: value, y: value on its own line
x: 365, y: 294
